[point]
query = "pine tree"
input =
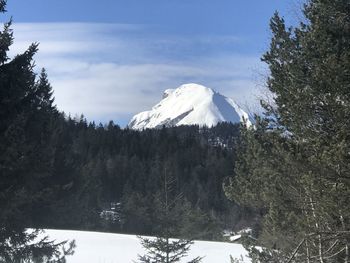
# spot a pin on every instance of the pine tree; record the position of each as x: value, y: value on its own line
x: 162, y: 248
x: 295, y: 165
x: 26, y: 113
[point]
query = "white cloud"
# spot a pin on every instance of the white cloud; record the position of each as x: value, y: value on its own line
x: 109, y: 71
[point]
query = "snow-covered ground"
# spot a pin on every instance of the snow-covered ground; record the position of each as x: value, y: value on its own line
x: 96, y: 247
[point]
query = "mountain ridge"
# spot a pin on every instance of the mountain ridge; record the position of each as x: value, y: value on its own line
x: 190, y: 104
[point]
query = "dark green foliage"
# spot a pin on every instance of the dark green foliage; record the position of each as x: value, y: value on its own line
x: 85, y: 167
x: 29, y: 248
x: 171, y: 210
x: 2, y: 6
x: 295, y: 165
x: 164, y: 250
x: 26, y: 155
x: 96, y: 165
x: 108, y: 164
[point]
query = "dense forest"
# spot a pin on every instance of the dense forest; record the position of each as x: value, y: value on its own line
x: 95, y: 166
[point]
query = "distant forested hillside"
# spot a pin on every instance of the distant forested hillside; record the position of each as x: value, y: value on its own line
x: 96, y: 165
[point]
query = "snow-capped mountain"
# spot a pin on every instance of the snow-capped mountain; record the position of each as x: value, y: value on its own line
x: 187, y: 105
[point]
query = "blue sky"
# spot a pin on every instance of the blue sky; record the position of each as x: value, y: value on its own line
x: 111, y: 59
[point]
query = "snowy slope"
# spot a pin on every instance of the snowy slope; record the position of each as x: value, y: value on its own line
x: 190, y: 104
x: 96, y: 247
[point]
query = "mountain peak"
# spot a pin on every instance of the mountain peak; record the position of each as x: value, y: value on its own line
x: 190, y: 104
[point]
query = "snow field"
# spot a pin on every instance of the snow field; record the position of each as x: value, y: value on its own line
x: 97, y: 247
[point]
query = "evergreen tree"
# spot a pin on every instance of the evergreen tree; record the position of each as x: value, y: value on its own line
x: 26, y: 113
x: 295, y: 165
x: 169, y: 210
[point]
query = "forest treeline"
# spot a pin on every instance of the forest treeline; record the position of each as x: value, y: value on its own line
x: 96, y: 165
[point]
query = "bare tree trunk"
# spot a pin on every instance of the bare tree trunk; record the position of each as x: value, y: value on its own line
x: 166, y: 213
x: 167, y: 250
x: 295, y: 251
x: 307, y: 251
x: 307, y: 245
x: 319, y: 237
x: 346, y: 259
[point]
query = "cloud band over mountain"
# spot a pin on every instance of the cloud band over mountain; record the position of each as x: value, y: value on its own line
x: 112, y: 71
